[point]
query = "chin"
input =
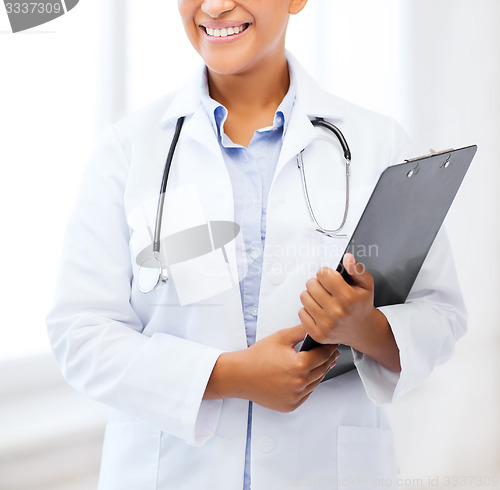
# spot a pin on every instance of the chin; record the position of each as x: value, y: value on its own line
x: 227, y: 66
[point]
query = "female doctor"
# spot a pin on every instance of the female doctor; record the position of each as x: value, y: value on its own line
x: 205, y: 387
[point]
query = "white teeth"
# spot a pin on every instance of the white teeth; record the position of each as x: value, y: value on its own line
x: 224, y: 32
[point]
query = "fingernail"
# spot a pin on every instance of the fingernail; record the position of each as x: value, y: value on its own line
x: 332, y: 364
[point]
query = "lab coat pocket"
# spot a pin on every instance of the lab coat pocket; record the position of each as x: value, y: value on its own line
x: 366, y: 458
x: 130, y: 457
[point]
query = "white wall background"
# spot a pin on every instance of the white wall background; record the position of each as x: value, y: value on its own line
x: 453, y: 85
x: 432, y: 64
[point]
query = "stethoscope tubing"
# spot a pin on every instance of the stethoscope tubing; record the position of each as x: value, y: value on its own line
x: 162, y: 276
x: 347, y: 155
x: 164, y: 181
x: 319, y: 121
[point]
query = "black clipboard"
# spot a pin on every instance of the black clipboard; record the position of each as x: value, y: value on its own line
x: 399, y: 225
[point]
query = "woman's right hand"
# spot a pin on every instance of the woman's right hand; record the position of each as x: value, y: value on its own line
x: 270, y: 372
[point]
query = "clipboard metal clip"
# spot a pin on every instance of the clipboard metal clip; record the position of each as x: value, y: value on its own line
x: 432, y: 153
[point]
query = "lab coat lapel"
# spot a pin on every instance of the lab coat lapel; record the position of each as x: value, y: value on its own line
x: 197, y: 126
x: 199, y: 150
x: 311, y: 101
x: 299, y: 134
x: 199, y: 129
x: 200, y: 161
x: 204, y: 157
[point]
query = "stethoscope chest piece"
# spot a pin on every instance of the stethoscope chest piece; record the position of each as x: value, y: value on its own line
x: 151, y: 275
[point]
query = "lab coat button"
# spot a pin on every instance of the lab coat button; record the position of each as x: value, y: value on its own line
x: 265, y: 445
x: 277, y: 275
x: 255, y: 310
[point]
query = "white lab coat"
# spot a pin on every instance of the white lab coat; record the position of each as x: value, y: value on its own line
x: 149, y: 358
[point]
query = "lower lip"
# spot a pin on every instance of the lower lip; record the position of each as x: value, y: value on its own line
x: 223, y: 40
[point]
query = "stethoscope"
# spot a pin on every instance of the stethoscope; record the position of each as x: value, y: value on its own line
x: 153, y: 274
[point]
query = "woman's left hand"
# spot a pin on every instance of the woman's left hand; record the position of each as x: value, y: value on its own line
x: 336, y: 312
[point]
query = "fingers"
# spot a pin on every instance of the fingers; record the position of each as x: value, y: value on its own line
x: 307, y: 320
x: 331, y: 281
x: 318, y: 357
x: 336, y: 290
x: 310, y: 388
x: 322, y: 309
x: 309, y: 371
x: 316, y: 297
x: 315, y: 294
x: 319, y: 372
x: 317, y: 376
x: 292, y: 336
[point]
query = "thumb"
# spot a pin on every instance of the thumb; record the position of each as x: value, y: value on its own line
x: 292, y: 336
x: 359, y: 275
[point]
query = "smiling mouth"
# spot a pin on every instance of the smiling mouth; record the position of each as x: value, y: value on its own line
x: 225, y: 31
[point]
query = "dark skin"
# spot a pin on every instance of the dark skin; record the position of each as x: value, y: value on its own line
x: 272, y: 374
x: 247, y: 109
x: 249, y: 75
x: 337, y: 312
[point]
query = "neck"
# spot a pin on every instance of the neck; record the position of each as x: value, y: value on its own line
x: 251, y: 98
x: 252, y: 91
